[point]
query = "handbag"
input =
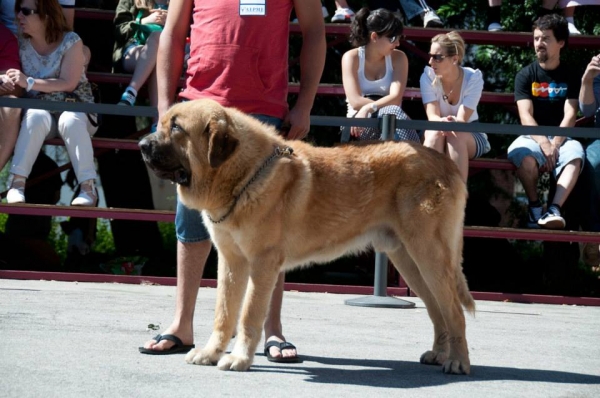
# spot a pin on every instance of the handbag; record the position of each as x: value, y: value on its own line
x: 74, y: 96
x: 143, y: 31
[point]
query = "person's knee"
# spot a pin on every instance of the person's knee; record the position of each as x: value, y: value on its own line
x: 433, y: 138
x: 529, y: 165
x: 153, y: 39
x: 37, y: 120
x: 71, y: 123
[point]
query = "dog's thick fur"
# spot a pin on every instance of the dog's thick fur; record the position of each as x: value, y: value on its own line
x: 312, y: 207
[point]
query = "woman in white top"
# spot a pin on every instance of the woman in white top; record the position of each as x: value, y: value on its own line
x: 52, y: 61
x: 374, y: 74
x: 451, y: 93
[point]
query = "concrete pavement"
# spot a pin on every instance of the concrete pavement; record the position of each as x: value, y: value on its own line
x: 69, y: 339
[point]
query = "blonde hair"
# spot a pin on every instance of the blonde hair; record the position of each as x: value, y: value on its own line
x: 452, y: 44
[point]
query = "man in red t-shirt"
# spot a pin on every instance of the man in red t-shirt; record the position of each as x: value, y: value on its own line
x: 9, y: 117
x: 239, y: 58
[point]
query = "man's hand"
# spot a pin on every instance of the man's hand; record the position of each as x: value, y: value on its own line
x: 551, y: 153
x: 299, y: 122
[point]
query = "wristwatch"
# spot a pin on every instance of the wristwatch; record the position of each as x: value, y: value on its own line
x: 374, y: 107
x: 30, y: 83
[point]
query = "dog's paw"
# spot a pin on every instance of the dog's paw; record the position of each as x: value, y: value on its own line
x: 434, y: 357
x: 234, y: 362
x: 456, y: 367
x: 202, y: 357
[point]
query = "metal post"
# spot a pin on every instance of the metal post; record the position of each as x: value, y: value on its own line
x: 380, y: 297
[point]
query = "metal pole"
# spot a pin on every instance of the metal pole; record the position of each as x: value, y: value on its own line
x: 380, y: 297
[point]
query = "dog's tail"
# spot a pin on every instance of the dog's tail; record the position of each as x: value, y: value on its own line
x: 464, y: 295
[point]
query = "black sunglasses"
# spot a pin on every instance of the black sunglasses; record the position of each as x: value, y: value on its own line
x: 437, y: 57
x: 27, y: 11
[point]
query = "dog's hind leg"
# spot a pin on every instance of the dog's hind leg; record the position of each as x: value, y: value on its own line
x: 232, y: 280
x: 263, y: 277
x: 438, y: 264
x: 411, y: 274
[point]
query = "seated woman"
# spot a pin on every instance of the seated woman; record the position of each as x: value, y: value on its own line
x: 10, y: 118
x: 52, y: 63
x: 451, y: 93
x: 374, y: 74
x: 136, y: 53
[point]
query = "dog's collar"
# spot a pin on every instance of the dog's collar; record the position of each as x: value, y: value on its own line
x: 277, y: 153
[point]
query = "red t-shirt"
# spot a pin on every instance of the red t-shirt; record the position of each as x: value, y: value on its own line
x: 240, y: 60
x: 9, y: 50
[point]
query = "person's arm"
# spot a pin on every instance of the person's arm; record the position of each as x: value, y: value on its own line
x: 312, y: 62
x: 587, y: 102
x: 525, y: 108
x: 471, y: 96
x: 70, y: 73
x: 400, y: 76
x: 350, y: 80
x: 169, y: 61
x: 123, y: 20
x: 429, y: 96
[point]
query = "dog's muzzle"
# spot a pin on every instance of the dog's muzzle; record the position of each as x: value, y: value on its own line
x: 163, y: 161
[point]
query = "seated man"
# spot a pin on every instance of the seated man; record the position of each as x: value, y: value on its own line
x: 546, y: 93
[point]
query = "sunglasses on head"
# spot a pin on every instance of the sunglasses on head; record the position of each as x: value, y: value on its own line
x: 437, y: 57
x: 27, y: 11
x: 393, y: 39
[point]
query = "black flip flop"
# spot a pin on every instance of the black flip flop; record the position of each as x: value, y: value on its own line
x: 178, y: 348
x: 282, y: 346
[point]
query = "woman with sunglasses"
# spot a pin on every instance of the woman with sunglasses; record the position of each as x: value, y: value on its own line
x: 374, y: 74
x: 450, y: 93
x: 52, y: 67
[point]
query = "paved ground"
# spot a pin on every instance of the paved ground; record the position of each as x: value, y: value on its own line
x: 67, y: 339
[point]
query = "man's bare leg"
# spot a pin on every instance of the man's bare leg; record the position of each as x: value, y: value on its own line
x: 191, y: 259
x: 273, y: 328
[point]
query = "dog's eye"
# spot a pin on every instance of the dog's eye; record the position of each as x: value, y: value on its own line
x: 175, y: 128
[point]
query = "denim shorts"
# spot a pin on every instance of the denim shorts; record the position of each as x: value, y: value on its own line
x: 189, y: 225
x: 527, y: 146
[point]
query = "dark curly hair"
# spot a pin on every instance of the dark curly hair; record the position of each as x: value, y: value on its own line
x: 556, y: 23
x: 381, y: 21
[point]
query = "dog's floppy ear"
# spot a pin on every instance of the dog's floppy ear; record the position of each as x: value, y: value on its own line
x: 220, y: 143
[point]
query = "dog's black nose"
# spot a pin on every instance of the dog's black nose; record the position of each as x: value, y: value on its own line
x: 145, y: 145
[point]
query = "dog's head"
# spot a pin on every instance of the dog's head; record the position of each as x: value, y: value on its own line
x: 192, y: 137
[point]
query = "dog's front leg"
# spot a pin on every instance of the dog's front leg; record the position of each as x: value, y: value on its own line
x: 232, y: 280
x: 263, y: 277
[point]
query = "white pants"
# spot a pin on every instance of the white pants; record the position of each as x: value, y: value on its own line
x: 74, y: 128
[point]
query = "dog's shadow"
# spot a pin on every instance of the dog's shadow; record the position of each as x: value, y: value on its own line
x: 404, y: 374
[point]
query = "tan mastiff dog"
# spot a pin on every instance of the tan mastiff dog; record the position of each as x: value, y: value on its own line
x: 272, y: 205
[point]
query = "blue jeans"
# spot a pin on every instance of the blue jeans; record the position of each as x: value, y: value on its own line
x: 189, y: 226
x: 413, y: 8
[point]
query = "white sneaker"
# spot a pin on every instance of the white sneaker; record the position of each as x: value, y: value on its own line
x: 573, y: 30
x: 88, y: 196
x: 552, y: 220
x: 16, y: 193
x: 495, y: 27
x: 431, y: 20
x: 343, y: 15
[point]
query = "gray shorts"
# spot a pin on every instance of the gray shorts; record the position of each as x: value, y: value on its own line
x: 527, y: 146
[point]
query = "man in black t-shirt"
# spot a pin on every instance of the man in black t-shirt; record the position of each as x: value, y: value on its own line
x: 546, y: 94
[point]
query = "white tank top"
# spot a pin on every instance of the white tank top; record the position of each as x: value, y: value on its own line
x: 368, y: 87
